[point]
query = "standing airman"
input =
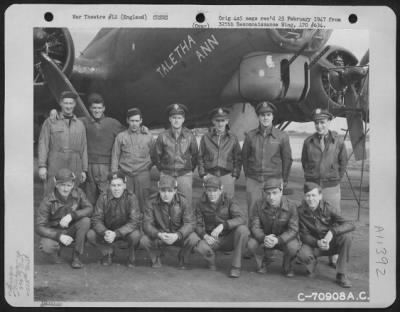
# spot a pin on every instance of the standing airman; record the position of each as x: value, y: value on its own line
x: 220, y: 153
x: 176, y: 151
x: 62, y: 144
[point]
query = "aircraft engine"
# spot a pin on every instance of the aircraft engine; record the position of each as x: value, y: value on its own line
x: 54, y: 57
x: 331, y: 78
x: 340, y: 84
x: 58, y: 45
x: 264, y: 76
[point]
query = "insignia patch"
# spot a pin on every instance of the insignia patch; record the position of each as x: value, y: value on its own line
x: 318, y: 111
x: 220, y: 111
x: 176, y: 106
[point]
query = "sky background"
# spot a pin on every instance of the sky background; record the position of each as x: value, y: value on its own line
x: 357, y: 41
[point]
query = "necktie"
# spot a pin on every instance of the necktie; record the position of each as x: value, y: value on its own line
x: 322, y: 142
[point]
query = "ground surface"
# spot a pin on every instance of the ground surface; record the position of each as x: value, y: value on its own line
x: 95, y: 283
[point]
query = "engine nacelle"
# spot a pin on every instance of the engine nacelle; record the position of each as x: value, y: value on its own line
x: 264, y: 76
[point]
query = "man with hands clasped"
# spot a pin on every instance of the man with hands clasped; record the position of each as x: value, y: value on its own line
x: 116, y: 217
x: 221, y: 224
x: 274, y: 225
x: 168, y: 220
x: 64, y: 217
x: 323, y: 232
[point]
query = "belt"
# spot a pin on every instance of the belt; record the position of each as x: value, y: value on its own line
x: 67, y: 150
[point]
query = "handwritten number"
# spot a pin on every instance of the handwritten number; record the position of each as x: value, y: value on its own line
x: 382, y: 251
x: 381, y: 272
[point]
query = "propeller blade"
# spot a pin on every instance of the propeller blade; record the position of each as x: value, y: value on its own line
x: 357, y: 136
x: 58, y: 82
x: 355, y: 124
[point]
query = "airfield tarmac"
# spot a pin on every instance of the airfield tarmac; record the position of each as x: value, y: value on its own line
x: 117, y: 283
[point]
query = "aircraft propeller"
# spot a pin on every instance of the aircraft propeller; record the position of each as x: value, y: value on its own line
x: 54, y: 57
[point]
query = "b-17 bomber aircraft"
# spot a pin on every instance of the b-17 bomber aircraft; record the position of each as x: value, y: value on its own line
x: 204, y: 68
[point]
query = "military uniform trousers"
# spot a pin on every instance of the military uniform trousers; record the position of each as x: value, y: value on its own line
x: 340, y: 244
x: 155, y: 247
x: 97, y: 181
x: 254, y: 192
x: 236, y: 240
x: 105, y: 248
x: 140, y: 185
x: 264, y: 254
x: 76, y: 230
x: 333, y: 196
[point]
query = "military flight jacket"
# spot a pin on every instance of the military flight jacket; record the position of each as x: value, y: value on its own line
x: 121, y: 215
x: 327, y: 167
x: 225, y: 156
x: 315, y: 224
x: 226, y: 211
x: 175, y: 217
x: 52, y: 210
x: 176, y: 157
x: 282, y: 221
x: 269, y: 156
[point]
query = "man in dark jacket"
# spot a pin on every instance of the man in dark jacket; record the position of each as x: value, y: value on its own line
x: 63, y: 217
x: 323, y: 232
x: 168, y: 221
x: 176, y: 150
x: 274, y: 225
x: 221, y: 225
x: 116, y: 217
x: 266, y: 154
x: 220, y: 153
x: 324, y: 160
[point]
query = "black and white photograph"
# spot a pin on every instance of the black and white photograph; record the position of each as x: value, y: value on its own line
x: 222, y: 162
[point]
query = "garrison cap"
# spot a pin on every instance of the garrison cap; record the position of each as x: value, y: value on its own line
x: 133, y: 111
x: 167, y: 181
x: 68, y: 94
x: 116, y: 175
x: 309, y: 186
x: 273, y: 183
x: 95, y: 98
x: 321, y: 113
x: 64, y: 175
x: 177, y: 109
x: 213, y: 182
x: 220, y: 112
x: 264, y: 107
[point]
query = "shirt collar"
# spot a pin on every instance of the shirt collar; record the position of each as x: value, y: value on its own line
x: 271, y: 131
x: 214, y: 132
x: 330, y: 136
x: 60, y: 115
x: 182, y: 132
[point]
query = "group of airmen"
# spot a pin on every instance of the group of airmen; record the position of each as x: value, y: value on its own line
x: 115, y: 202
